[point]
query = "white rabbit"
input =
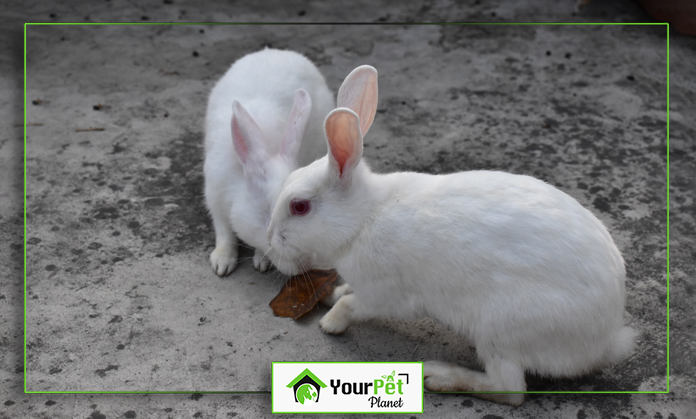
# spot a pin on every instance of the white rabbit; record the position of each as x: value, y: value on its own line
x: 518, y: 267
x: 263, y: 118
x: 257, y: 117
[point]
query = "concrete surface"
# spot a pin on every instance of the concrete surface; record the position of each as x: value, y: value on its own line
x: 120, y: 293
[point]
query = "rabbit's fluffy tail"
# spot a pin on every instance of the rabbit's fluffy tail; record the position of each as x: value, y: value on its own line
x: 622, y: 345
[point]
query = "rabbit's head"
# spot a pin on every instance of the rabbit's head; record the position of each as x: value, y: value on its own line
x: 358, y: 92
x: 323, y: 205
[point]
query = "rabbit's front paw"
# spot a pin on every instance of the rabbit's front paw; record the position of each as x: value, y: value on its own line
x: 261, y: 262
x: 438, y: 376
x: 223, y: 259
x: 335, y: 321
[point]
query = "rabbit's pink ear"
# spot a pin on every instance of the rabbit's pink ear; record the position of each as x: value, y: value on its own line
x: 297, y: 125
x: 342, y: 127
x: 359, y: 93
x: 246, y: 135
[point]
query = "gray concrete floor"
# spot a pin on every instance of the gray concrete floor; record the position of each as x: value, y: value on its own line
x: 120, y: 293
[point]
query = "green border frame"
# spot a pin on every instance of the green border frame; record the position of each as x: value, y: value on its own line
x: 349, y: 413
x: 26, y: 391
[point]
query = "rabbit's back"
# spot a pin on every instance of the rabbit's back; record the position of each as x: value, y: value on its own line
x: 498, y: 221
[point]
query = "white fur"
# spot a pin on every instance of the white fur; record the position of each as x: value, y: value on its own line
x: 521, y: 269
x: 240, y: 196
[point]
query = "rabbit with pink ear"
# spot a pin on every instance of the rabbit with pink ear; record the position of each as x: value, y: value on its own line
x: 264, y: 119
x: 528, y: 275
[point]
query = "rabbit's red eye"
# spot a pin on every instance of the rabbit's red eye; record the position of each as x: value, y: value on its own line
x: 300, y: 207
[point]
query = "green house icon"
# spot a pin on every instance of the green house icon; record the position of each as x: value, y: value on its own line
x: 306, y: 387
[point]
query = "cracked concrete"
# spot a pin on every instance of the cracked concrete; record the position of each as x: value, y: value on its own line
x: 120, y: 295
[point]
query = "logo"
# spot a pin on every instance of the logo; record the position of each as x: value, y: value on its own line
x: 306, y: 387
x: 347, y: 387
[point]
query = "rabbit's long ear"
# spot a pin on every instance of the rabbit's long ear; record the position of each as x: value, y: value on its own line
x: 297, y: 125
x: 246, y: 136
x: 342, y: 127
x: 359, y: 93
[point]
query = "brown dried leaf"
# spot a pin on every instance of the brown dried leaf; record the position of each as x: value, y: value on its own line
x: 302, y: 292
